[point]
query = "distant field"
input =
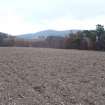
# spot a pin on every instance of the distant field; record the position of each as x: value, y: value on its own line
x: 37, y: 76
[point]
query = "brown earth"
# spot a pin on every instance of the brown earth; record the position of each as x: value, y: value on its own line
x: 37, y: 76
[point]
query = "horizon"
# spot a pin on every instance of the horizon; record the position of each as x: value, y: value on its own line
x: 47, y: 30
x: 21, y: 17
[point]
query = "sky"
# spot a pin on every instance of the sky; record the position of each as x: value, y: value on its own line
x: 28, y: 16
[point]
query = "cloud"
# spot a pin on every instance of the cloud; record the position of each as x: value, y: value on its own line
x: 65, y: 23
x: 23, y: 16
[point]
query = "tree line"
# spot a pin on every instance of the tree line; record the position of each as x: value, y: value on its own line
x: 86, y: 40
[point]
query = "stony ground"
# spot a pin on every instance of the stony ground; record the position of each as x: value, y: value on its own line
x: 35, y: 76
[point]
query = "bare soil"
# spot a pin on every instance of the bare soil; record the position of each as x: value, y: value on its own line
x: 41, y: 76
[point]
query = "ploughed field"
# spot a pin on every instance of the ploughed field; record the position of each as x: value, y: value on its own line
x: 38, y: 76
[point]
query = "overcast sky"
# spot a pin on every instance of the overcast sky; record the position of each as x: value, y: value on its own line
x: 26, y: 16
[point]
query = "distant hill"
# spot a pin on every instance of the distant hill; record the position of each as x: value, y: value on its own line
x: 45, y: 33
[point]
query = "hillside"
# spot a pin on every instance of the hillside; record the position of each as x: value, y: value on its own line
x: 44, y: 34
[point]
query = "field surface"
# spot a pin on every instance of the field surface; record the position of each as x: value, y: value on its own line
x: 37, y: 76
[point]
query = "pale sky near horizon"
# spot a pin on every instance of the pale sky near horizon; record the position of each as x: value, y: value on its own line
x: 27, y: 16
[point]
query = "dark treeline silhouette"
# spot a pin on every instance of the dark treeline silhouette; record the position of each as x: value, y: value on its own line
x: 86, y: 40
x: 81, y: 40
x: 6, y: 40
